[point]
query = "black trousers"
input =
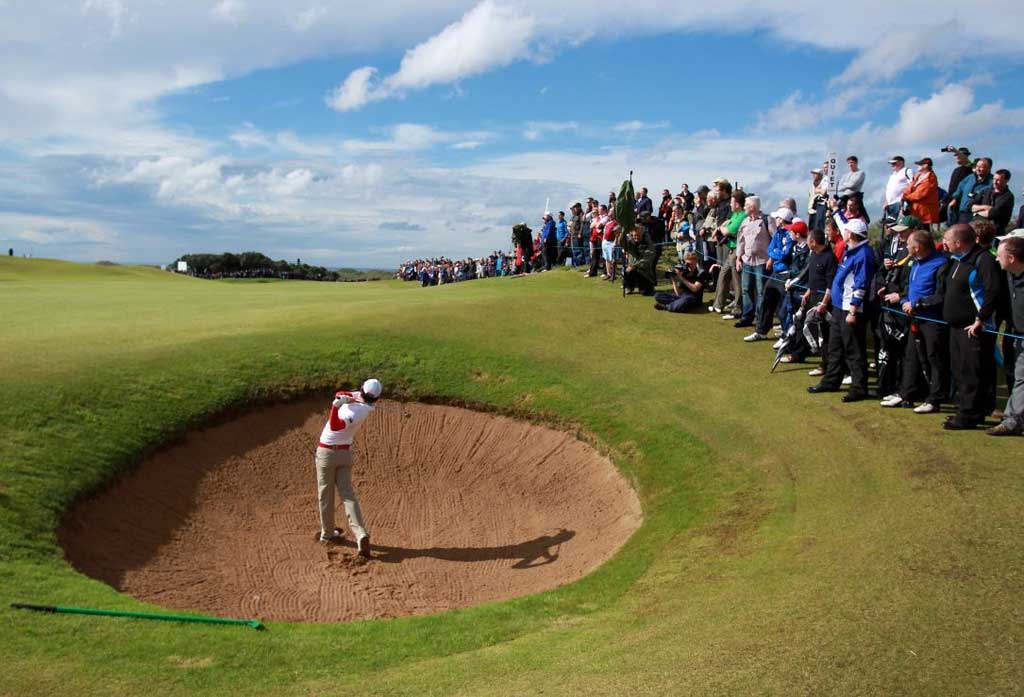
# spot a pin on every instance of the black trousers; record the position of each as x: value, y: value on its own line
x: 974, y: 371
x: 891, y: 341
x: 774, y: 292
x: 550, y: 254
x: 633, y: 280
x: 926, y: 364
x: 595, y: 258
x: 847, y: 352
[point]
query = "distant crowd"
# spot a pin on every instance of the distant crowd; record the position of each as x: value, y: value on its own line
x: 442, y: 270
x: 930, y: 302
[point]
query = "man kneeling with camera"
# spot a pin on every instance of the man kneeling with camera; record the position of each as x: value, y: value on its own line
x: 688, y: 282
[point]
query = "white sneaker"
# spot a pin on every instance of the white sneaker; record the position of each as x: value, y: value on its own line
x: 729, y: 316
x: 893, y: 400
x: 848, y: 380
x: 816, y: 372
x: 777, y: 345
x: 755, y: 337
x: 926, y: 408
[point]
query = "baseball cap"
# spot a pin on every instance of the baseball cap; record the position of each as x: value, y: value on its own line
x: 372, y: 388
x: 925, y: 160
x: 906, y: 222
x: 1019, y: 232
x: 816, y: 170
x: 856, y: 226
x: 799, y: 227
x: 896, y: 158
x: 783, y: 214
x: 703, y: 189
x: 964, y: 151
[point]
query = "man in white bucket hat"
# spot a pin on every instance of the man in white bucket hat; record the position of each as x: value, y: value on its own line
x: 349, y: 411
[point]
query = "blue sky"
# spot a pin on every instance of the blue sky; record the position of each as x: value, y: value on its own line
x: 138, y: 132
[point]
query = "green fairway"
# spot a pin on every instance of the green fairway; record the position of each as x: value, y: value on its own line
x: 791, y: 544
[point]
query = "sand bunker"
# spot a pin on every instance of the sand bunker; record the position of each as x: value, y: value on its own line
x: 463, y: 508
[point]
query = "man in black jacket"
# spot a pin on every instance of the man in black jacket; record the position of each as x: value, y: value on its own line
x: 996, y: 204
x: 817, y: 278
x: 891, y: 283
x: 971, y: 298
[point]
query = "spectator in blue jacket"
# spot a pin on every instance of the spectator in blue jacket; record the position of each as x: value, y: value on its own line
x: 847, y: 348
x: 549, y: 240
x: 969, y: 192
x: 562, y: 235
x: 925, y: 357
x: 780, y: 254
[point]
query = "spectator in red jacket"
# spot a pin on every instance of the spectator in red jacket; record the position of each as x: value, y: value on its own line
x: 922, y: 193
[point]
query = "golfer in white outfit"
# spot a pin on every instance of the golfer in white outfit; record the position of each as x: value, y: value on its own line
x: 334, y: 462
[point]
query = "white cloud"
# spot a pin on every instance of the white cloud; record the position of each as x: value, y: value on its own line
x: 355, y: 92
x: 52, y: 230
x: 113, y: 9
x: 535, y: 130
x: 309, y: 17
x: 409, y: 137
x: 250, y: 137
x: 294, y: 144
x: 944, y: 116
x: 230, y: 11
x: 488, y: 36
x: 639, y: 125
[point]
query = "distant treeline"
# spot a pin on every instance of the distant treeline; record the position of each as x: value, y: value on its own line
x: 257, y: 265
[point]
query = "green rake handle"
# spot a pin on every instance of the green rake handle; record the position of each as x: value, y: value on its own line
x: 255, y: 624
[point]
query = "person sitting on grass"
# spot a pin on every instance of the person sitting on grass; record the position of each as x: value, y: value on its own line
x: 641, y: 262
x: 688, y: 282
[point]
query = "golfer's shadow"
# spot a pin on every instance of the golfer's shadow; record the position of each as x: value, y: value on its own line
x: 537, y: 552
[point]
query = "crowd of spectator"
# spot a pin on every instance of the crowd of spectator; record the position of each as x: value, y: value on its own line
x: 255, y: 265
x: 930, y: 299
x: 442, y: 270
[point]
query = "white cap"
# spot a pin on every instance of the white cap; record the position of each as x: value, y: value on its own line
x: 784, y: 214
x: 856, y: 226
x: 372, y: 388
x: 1019, y: 232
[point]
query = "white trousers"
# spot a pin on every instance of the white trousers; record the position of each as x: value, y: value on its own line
x: 334, y: 470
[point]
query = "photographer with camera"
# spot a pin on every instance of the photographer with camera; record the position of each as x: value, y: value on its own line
x: 688, y: 283
x: 964, y: 167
